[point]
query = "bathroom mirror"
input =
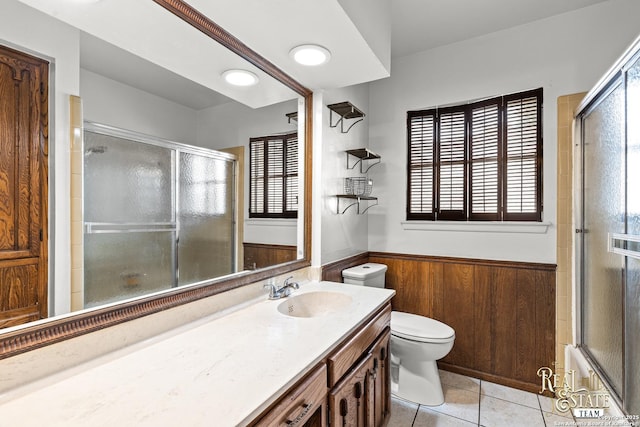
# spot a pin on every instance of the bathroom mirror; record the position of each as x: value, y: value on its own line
x: 166, y: 55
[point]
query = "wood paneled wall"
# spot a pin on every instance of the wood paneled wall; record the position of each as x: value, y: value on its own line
x: 503, y: 312
x: 257, y: 255
x: 333, y: 271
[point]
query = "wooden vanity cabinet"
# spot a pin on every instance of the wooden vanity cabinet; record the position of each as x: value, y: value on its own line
x: 359, y: 376
x: 352, y: 389
x: 305, y: 405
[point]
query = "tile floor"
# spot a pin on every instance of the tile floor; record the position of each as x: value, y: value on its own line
x: 472, y: 402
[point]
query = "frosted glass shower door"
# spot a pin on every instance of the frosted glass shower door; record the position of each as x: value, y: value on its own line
x: 129, y: 216
x: 206, y: 245
x: 632, y: 282
x: 604, y: 213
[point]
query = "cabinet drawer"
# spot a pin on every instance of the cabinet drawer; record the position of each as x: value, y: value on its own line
x: 301, y: 403
x: 341, y: 361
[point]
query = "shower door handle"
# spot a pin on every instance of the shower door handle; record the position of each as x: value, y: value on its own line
x: 619, y: 243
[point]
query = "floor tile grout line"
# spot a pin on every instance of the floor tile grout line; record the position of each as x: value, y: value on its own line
x: 415, y: 416
x: 431, y: 408
x: 479, y: 400
x: 509, y: 401
x: 544, y: 420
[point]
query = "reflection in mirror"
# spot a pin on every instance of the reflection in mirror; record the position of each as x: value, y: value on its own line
x: 158, y: 140
x: 156, y: 215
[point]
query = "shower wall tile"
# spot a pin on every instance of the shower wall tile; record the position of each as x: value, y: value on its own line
x: 564, y: 321
x: 75, y: 179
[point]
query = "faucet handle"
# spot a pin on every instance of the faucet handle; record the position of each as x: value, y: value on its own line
x: 272, y: 288
x: 287, y: 282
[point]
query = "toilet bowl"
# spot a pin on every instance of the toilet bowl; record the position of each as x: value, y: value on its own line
x: 416, y: 343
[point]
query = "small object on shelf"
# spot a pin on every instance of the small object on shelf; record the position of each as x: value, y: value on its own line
x: 292, y: 116
x: 345, y: 110
x: 358, y: 186
x: 362, y: 155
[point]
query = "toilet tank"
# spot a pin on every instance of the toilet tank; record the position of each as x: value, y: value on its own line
x: 369, y: 274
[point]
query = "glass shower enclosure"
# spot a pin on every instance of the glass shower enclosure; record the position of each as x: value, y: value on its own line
x: 609, y: 238
x: 157, y: 214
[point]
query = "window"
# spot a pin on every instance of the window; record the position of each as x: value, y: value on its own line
x: 274, y: 176
x: 480, y: 161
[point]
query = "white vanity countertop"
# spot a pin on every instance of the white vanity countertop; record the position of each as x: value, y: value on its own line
x: 222, y: 371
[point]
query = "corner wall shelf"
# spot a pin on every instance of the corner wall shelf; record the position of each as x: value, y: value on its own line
x: 357, y: 201
x: 346, y: 111
x: 292, y: 116
x: 362, y: 155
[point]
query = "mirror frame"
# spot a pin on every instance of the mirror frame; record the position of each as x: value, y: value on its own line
x: 50, y: 331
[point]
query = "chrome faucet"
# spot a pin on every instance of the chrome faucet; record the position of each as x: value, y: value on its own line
x: 276, y: 292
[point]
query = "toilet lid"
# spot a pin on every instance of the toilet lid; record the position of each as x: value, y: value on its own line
x: 419, y: 328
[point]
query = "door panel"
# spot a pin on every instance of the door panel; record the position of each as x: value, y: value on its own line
x: 23, y: 189
x: 206, y: 215
x: 604, y: 213
x: 348, y: 399
x: 125, y: 182
x: 380, y: 381
x: 19, y: 293
x: 632, y: 279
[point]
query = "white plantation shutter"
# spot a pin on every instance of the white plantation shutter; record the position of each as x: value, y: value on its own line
x: 478, y: 161
x: 421, y: 165
x: 274, y: 177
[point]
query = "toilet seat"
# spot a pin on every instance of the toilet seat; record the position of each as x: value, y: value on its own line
x: 419, y: 328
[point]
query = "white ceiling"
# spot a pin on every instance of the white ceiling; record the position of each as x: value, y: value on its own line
x: 418, y: 25
x: 183, y: 65
x: 99, y: 57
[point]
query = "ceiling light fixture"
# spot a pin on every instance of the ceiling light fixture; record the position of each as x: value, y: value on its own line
x: 240, y: 77
x: 310, y: 54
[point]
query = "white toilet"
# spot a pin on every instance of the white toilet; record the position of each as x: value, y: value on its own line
x: 416, y: 343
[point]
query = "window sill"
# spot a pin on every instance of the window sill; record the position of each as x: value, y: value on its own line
x: 272, y: 222
x: 478, y: 226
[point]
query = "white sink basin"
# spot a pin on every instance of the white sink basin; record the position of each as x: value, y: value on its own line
x: 314, y: 304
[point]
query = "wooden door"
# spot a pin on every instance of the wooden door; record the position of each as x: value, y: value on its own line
x: 348, y: 399
x: 23, y: 187
x: 379, y: 387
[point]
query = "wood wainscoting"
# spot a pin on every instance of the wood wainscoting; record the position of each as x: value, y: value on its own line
x: 503, y: 312
x: 259, y: 255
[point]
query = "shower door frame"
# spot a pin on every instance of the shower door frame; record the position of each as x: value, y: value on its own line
x: 612, y: 82
x: 616, y: 76
x: 176, y: 149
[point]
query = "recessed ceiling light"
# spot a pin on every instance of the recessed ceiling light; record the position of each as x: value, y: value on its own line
x: 240, y: 77
x: 310, y: 54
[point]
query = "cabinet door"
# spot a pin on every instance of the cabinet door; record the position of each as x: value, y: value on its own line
x: 379, y: 398
x: 348, y: 399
